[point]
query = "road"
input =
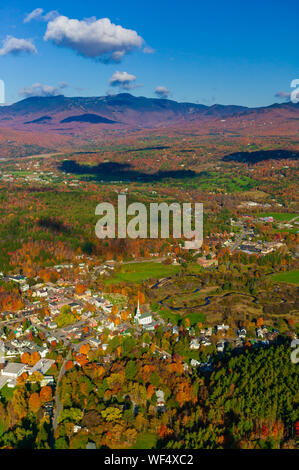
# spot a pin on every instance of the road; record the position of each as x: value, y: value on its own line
x: 239, y: 238
x: 164, y: 353
x: 58, y: 405
x: 151, y: 260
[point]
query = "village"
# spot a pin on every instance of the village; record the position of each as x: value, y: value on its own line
x: 93, y: 319
x: 75, y: 318
x: 61, y: 318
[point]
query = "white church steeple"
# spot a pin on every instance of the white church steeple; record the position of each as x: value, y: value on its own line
x: 138, y: 309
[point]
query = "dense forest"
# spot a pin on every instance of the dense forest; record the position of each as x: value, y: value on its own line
x: 250, y: 400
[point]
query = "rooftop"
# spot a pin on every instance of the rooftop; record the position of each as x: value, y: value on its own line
x: 13, y: 368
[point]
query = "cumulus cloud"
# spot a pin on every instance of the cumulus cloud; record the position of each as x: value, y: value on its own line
x: 37, y: 14
x: 12, y: 45
x: 37, y: 89
x: 123, y: 80
x: 98, y: 39
x: 162, y: 92
x: 283, y: 95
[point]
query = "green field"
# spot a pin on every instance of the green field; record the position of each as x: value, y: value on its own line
x: 170, y: 316
x: 145, y: 441
x: 138, y: 272
x: 196, y: 318
x: 6, y: 393
x: 279, y: 216
x: 175, y: 317
x: 291, y: 277
x: 213, y: 181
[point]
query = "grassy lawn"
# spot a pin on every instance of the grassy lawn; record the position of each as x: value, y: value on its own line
x: 145, y: 441
x: 213, y: 181
x: 171, y: 317
x: 176, y: 317
x: 291, y: 277
x: 138, y: 272
x: 196, y: 318
x: 167, y: 314
x: 279, y: 216
x: 6, y: 393
x: 286, y: 230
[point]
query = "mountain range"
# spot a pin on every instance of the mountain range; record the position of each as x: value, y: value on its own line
x: 62, y: 114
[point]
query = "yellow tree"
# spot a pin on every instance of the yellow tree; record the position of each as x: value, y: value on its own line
x: 19, y: 402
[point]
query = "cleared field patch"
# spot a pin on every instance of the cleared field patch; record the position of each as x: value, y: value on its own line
x: 138, y: 272
x: 215, y: 181
x: 196, y: 317
x: 279, y: 216
x: 176, y: 317
x: 255, y: 194
x: 290, y: 277
x: 145, y: 441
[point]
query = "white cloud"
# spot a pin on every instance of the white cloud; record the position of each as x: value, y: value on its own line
x: 148, y: 50
x: 123, y: 80
x: 162, y: 92
x: 283, y: 95
x: 33, y: 15
x: 12, y: 45
x: 37, y: 89
x: 37, y: 14
x: 51, y: 15
x: 93, y: 38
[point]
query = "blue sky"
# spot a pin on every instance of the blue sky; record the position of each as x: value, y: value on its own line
x: 228, y: 52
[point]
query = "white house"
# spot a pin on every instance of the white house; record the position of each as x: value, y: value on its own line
x: 207, y: 331
x: 242, y: 333
x: 194, y: 344
x: 222, y: 327
x: 259, y: 333
x: 220, y: 346
x: 47, y: 380
x: 194, y: 363
x: 94, y: 342
x: 75, y: 306
x: 160, y: 398
x: 175, y: 330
